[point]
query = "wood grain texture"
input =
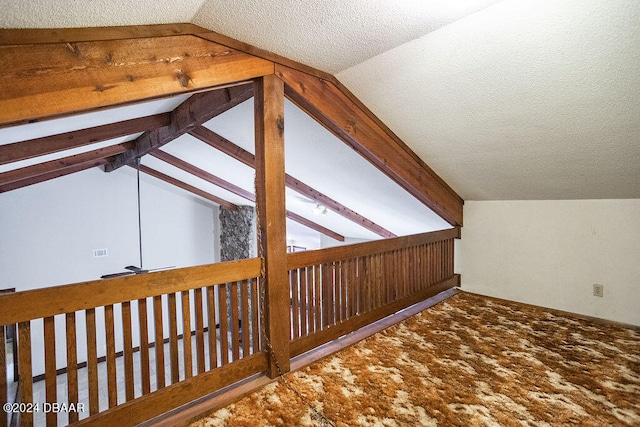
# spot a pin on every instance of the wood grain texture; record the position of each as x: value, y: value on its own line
x: 332, y: 108
x: 87, y: 295
x: 270, y: 207
x: 45, y: 80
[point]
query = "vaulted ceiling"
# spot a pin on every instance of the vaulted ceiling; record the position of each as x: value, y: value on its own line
x: 503, y: 99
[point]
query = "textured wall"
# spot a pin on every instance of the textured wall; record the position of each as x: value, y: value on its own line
x: 236, y: 233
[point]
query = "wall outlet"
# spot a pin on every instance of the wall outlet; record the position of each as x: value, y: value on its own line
x: 598, y: 290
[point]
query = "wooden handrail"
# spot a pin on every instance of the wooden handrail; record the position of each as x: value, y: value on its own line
x: 307, y: 258
x: 34, y: 304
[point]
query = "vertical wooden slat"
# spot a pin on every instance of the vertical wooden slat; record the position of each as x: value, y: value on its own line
x: 92, y: 361
x: 344, y: 295
x: 224, y: 336
x: 246, y: 326
x: 143, y: 323
x: 50, y: 367
x: 186, y: 335
x: 25, y: 370
x: 295, y: 314
x: 326, y: 296
x: 72, y: 364
x: 318, y: 297
x: 213, y: 341
x: 255, y: 312
x: 127, y: 351
x: 159, y: 341
x: 235, y: 320
x: 302, y: 274
x: 199, y: 321
x: 173, y: 339
x: 112, y: 389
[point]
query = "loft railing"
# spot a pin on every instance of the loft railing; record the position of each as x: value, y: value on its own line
x: 336, y: 291
x: 131, y: 348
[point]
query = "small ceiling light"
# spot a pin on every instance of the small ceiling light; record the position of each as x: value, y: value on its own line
x: 318, y: 209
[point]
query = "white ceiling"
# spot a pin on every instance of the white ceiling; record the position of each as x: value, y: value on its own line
x: 511, y: 99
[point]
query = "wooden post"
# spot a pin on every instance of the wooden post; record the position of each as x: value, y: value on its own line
x: 270, y: 207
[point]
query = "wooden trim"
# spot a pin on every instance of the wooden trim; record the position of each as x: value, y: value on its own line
x: 196, y: 110
x: 307, y: 258
x: 229, y: 148
x: 176, y: 395
x: 88, y: 75
x: 326, y: 103
x: 309, y: 342
x: 191, y: 189
x: 87, y: 295
x: 270, y: 209
x: 52, y: 144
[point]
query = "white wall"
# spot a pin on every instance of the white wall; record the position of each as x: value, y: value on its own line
x: 550, y: 253
x: 48, y: 232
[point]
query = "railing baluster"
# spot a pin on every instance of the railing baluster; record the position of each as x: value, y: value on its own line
x: 25, y: 371
x: 159, y: 341
x: 199, y: 330
x: 211, y: 312
x: 235, y: 320
x: 144, y: 346
x: 295, y: 315
x: 224, y: 336
x: 304, y: 314
x: 92, y: 361
x: 112, y: 389
x: 186, y: 335
x: 72, y: 364
x: 246, y: 326
x: 255, y: 314
x: 50, y: 367
x: 127, y: 350
x: 173, y: 339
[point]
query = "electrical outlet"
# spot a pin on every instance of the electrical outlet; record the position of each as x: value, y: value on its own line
x: 598, y: 290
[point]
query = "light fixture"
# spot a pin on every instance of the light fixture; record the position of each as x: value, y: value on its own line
x: 318, y: 209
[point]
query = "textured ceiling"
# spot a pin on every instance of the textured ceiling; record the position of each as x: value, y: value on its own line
x: 511, y: 99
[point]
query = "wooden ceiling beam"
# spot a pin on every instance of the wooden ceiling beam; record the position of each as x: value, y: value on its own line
x: 220, y: 143
x: 330, y: 105
x: 64, y: 141
x: 34, y: 174
x: 226, y: 185
x: 198, y: 109
x: 190, y: 188
x: 45, y: 80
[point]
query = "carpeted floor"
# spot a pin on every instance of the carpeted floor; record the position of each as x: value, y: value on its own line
x: 469, y: 361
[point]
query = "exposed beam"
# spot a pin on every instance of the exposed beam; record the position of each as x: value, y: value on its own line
x: 312, y: 225
x: 198, y: 109
x: 190, y: 188
x: 202, y: 174
x: 219, y: 142
x: 272, y: 227
x: 40, y: 172
x: 226, y: 185
x: 38, y: 81
x: 64, y: 141
x: 330, y: 106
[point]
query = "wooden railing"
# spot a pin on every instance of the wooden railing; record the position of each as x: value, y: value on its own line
x: 128, y: 349
x: 336, y: 291
x: 103, y: 335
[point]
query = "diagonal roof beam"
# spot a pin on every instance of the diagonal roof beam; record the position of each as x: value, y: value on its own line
x: 198, y: 109
x: 202, y: 174
x: 190, y: 188
x: 219, y: 142
x: 64, y: 141
x: 34, y: 174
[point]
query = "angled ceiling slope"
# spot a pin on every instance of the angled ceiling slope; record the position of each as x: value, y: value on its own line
x: 54, y: 73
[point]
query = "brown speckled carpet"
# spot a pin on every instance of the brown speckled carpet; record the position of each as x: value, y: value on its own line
x: 469, y: 361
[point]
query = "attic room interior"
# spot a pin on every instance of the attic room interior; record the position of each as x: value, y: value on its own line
x: 304, y: 200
